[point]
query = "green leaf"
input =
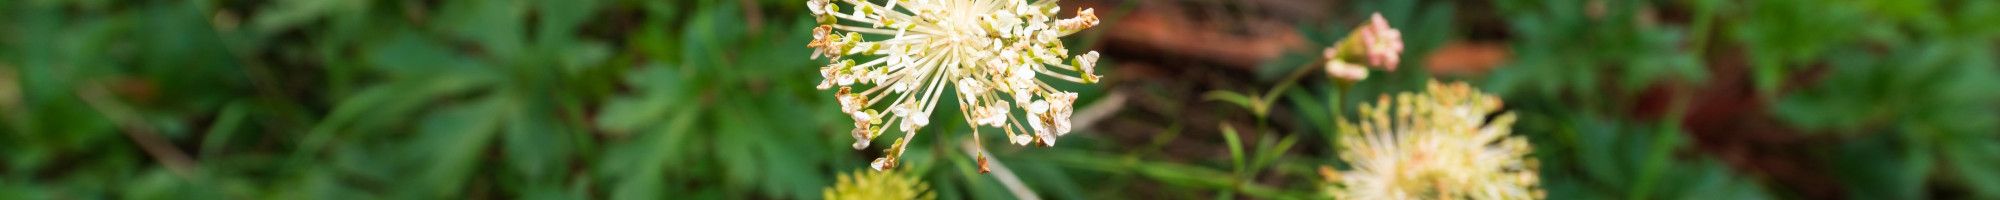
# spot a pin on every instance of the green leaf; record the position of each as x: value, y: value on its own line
x: 410, y: 55
x: 498, y: 26
x: 1234, y: 98
x: 381, y: 104
x: 286, y: 14
x: 1270, y: 153
x: 536, y: 146
x: 1235, y: 146
x: 1973, y: 161
x: 660, y: 89
x: 453, y: 140
x: 637, y: 168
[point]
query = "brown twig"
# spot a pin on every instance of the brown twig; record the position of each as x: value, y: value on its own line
x: 753, y: 15
x: 138, y: 131
x: 1095, y: 112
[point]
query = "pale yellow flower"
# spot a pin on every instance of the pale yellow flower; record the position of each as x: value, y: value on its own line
x: 871, y: 185
x: 1435, y: 145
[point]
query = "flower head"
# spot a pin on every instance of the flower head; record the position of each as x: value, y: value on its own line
x: 1374, y: 43
x: 1436, y: 145
x: 1382, y: 43
x: 877, y: 185
x: 990, y: 54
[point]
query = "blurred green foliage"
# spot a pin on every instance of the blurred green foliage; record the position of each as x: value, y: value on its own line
x: 326, y: 99
x: 1906, y: 87
x: 712, y: 99
x: 332, y: 99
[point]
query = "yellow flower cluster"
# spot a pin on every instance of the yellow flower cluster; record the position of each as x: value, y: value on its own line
x: 1435, y: 145
x: 870, y: 185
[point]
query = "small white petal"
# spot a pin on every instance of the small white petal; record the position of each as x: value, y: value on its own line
x: 1038, y: 106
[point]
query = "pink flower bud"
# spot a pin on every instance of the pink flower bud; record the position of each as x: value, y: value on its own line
x: 1382, y: 44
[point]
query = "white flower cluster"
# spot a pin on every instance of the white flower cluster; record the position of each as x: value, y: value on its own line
x: 1436, y: 145
x: 992, y: 51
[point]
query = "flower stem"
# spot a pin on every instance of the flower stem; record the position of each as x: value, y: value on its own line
x: 1285, y: 84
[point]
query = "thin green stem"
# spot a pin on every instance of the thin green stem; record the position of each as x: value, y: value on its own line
x: 1663, y: 146
x: 1284, y: 84
x: 1262, y: 104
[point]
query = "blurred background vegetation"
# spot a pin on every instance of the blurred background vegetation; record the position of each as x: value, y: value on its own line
x: 713, y: 99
